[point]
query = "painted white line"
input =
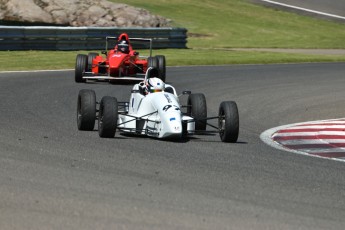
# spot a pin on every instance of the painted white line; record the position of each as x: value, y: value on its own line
x: 317, y: 127
x: 289, y: 134
x: 312, y: 141
x: 295, y: 134
x: 325, y: 150
x: 305, y: 9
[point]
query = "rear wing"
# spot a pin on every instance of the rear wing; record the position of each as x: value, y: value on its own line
x: 130, y: 39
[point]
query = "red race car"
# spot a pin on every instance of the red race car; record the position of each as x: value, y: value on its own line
x: 120, y: 63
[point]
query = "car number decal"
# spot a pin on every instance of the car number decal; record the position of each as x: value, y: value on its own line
x: 167, y: 107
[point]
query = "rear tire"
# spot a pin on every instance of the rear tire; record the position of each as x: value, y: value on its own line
x: 197, y: 109
x: 90, y: 57
x: 162, y: 66
x: 152, y: 62
x: 80, y: 68
x: 86, y: 109
x: 153, y: 72
x: 107, y: 117
x: 228, y: 122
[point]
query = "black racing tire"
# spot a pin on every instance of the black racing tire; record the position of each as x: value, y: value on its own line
x: 228, y: 122
x: 80, y: 68
x: 107, y: 117
x: 197, y: 108
x: 153, y: 72
x: 86, y: 109
x: 162, y: 66
x: 152, y: 62
x: 90, y: 57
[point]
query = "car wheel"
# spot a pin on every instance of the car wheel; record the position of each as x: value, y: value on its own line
x: 152, y: 62
x: 162, y: 66
x: 107, y: 117
x: 197, y: 108
x: 86, y: 109
x: 228, y: 122
x: 153, y: 72
x: 80, y: 68
x: 90, y: 57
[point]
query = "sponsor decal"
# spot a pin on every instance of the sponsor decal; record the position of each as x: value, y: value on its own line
x: 173, y: 119
x: 168, y: 98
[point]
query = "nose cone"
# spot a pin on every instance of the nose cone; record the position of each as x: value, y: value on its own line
x: 169, y: 114
x: 172, y: 127
x: 175, y: 125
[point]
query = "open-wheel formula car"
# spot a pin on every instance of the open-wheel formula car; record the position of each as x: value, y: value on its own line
x: 157, y: 114
x: 120, y: 63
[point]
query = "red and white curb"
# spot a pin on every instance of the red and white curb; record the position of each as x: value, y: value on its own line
x: 325, y: 139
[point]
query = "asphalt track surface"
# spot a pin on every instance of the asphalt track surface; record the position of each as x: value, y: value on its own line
x: 332, y: 7
x: 336, y: 7
x: 53, y: 176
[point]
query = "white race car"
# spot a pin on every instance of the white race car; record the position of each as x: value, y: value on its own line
x: 157, y: 114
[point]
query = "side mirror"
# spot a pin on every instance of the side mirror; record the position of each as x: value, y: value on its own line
x: 104, y: 52
x: 186, y: 92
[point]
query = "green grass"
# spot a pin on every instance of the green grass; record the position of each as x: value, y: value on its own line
x: 238, y: 23
x: 214, y: 26
x: 222, y: 57
x: 45, y: 60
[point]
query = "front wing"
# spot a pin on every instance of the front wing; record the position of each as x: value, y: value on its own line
x: 137, y: 77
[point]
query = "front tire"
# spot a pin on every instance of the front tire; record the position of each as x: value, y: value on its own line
x: 80, y: 68
x: 86, y: 109
x: 107, y: 117
x: 228, y: 122
x: 197, y: 108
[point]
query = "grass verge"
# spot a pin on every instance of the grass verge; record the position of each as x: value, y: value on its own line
x: 47, y: 60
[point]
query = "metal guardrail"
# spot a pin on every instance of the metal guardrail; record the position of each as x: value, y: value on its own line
x: 84, y: 38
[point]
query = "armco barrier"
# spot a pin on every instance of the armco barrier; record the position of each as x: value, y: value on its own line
x: 84, y: 38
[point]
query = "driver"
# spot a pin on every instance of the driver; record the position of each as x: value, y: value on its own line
x: 123, y: 46
x: 152, y: 85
